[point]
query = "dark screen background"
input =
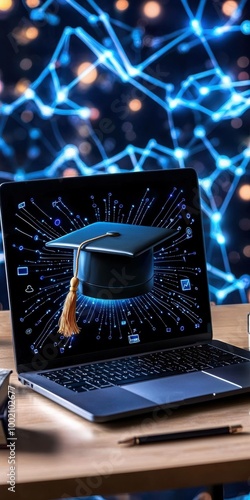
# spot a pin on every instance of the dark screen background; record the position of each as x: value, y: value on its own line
x: 177, y: 306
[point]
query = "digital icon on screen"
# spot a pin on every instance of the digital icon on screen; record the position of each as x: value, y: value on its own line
x: 185, y: 284
x: 133, y: 338
x: 22, y: 271
x: 29, y: 289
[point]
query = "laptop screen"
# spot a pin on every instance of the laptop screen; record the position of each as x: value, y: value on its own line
x: 155, y: 219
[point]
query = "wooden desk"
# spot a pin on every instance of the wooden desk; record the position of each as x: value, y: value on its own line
x: 60, y: 454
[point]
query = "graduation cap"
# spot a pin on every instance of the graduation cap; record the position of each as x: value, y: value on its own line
x: 111, y: 261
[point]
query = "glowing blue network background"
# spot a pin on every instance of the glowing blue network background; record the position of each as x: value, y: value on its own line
x: 94, y: 87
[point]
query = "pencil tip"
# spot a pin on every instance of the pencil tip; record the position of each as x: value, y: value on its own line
x: 129, y: 441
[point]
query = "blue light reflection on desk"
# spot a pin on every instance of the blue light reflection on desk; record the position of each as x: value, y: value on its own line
x: 97, y: 87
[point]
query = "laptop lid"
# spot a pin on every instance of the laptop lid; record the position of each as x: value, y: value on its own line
x: 169, y: 305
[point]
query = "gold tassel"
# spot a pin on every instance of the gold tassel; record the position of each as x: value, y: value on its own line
x: 67, y: 322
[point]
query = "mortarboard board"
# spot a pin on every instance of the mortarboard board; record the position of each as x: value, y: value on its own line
x: 113, y: 260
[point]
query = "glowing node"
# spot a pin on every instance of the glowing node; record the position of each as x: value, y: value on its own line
x: 199, y: 131
x: 112, y: 169
x: 244, y: 192
x: 93, y: 19
x: 37, y: 15
x: 204, y: 90
x: 246, y: 153
x: 29, y: 93
x: 6, y: 5
x: 196, y: 26
x: 216, y: 117
x: 219, y: 30
x: 216, y: 217
x: 226, y: 80
x: 70, y: 152
x: 206, y: 183
x: 133, y: 71
x: 87, y: 73
x: 46, y: 111
x: 237, y: 98
x: 130, y: 149
x: 135, y: 105
x: 152, y: 9
x: 62, y: 94
x: 173, y: 103
x: 6, y: 109
x: 180, y: 153
x: 34, y: 133
x: 84, y: 113
x: 64, y: 60
x: 230, y: 278
x: 107, y: 54
x: 220, y: 238
x: 223, y: 162
x: 152, y: 143
x: 245, y: 279
x: 239, y: 171
x: 183, y: 47
x: 220, y: 294
x: 245, y: 27
x: 121, y: 5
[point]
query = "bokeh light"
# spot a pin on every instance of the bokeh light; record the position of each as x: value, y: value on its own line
x: 87, y: 73
x: 6, y: 5
x: 121, y: 5
x: 152, y: 9
x: 246, y: 251
x: 70, y: 172
x: 135, y: 105
x: 21, y: 86
x: 244, y: 192
x: 31, y: 33
x: 243, y: 62
x: 229, y: 7
x: 25, y: 64
x: 32, y: 4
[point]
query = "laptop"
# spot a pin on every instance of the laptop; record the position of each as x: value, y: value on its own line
x: 137, y: 332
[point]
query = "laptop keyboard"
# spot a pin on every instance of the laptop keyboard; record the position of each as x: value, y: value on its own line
x: 142, y: 367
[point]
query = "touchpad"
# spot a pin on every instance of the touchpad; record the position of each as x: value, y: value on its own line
x: 179, y: 387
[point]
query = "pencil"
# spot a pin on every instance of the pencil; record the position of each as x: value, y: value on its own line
x: 195, y: 433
